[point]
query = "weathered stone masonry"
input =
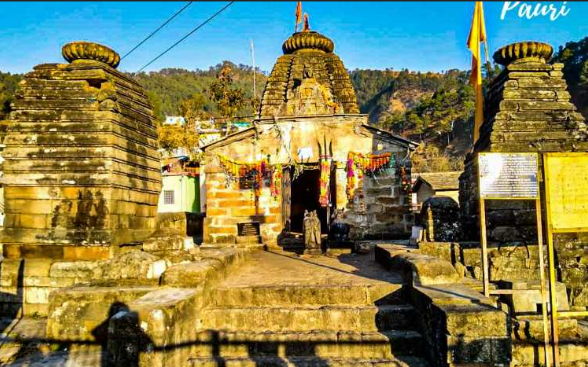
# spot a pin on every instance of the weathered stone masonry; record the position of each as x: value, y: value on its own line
x: 82, y: 174
x: 527, y: 109
x: 308, y: 100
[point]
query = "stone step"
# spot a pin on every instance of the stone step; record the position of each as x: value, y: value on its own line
x: 21, y: 336
x: 305, y: 362
x: 324, y: 344
x: 306, y: 318
x: 295, y: 295
x: 248, y: 239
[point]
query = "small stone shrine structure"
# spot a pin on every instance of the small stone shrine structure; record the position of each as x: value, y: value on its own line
x: 82, y: 172
x: 527, y: 109
x: 310, y: 149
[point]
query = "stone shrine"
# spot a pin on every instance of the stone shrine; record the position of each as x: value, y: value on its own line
x: 527, y: 109
x: 82, y: 172
x: 81, y: 177
x: 327, y: 155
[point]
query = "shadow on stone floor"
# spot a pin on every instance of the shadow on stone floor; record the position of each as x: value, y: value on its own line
x: 11, y: 312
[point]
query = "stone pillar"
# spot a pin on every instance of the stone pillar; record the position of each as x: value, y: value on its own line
x: 527, y: 109
x: 82, y: 172
x: 341, y: 185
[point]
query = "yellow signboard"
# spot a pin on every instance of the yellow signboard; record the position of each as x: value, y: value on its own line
x: 566, y: 191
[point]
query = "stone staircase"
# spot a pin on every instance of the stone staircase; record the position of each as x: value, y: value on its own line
x: 304, y: 326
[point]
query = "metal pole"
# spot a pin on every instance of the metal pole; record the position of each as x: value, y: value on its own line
x: 485, y: 277
x: 253, y: 61
x: 551, y: 263
x: 553, y: 297
x: 542, y: 277
x: 484, y: 247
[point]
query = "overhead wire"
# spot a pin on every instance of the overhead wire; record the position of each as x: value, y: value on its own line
x: 157, y: 30
x: 187, y: 35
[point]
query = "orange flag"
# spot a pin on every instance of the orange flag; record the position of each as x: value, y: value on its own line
x: 298, y: 16
x: 477, y: 35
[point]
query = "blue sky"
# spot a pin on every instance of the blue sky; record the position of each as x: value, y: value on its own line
x: 423, y: 36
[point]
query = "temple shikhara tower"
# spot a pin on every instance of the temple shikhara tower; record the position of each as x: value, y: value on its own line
x: 311, y: 254
x: 527, y: 109
x: 82, y: 171
x: 310, y: 150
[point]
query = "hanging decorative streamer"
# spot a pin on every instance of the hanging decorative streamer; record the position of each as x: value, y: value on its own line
x: 258, y: 178
x: 276, y: 181
x: 406, y: 186
x: 325, y: 181
x: 370, y: 164
x: 351, y: 181
x: 254, y: 172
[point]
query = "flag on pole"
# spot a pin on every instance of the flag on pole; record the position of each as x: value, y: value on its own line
x: 477, y: 36
x: 298, y: 16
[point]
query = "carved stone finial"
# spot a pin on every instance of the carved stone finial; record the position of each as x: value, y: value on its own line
x: 307, y: 40
x: 523, y: 52
x: 90, y: 51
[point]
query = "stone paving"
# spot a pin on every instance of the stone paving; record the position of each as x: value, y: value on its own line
x: 283, y: 268
x: 22, y: 344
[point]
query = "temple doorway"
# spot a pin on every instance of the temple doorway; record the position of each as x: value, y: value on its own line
x: 304, y: 195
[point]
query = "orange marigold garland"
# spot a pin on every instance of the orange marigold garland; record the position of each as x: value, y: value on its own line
x: 370, y: 164
x: 243, y: 170
x: 325, y: 182
x: 350, y: 190
x: 276, y: 181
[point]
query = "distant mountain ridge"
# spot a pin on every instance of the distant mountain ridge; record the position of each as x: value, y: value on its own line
x: 432, y: 108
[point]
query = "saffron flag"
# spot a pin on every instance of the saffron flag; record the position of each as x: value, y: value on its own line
x: 298, y: 15
x: 477, y: 36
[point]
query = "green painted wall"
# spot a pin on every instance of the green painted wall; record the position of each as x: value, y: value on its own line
x: 186, y: 194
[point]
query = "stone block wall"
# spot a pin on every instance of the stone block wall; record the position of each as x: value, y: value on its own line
x: 227, y: 206
x: 380, y: 207
x: 519, y: 261
x: 572, y: 260
x: 82, y: 172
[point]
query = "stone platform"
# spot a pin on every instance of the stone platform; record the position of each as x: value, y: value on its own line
x: 282, y: 309
x: 275, y: 268
x: 277, y: 309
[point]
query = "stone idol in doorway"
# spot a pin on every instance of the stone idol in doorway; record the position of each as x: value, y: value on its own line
x: 312, y: 233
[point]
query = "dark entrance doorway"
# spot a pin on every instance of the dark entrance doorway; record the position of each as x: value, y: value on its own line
x: 305, y: 196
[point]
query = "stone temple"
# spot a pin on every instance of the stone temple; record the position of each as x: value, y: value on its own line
x: 309, y: 115
x: 92, y: 277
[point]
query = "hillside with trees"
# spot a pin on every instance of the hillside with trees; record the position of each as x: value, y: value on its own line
x: 8, y: 85
x: 168, y: 88
x: 574, y: 56
x: 435, y: 109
